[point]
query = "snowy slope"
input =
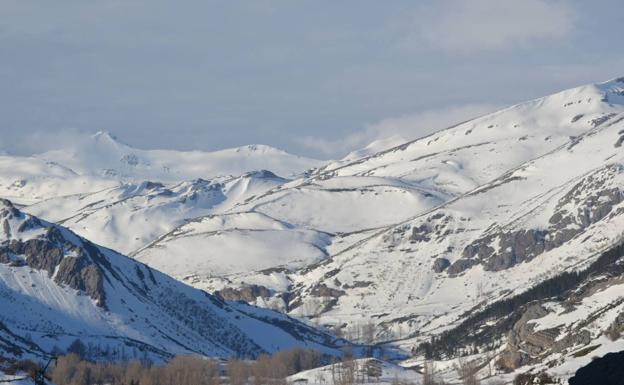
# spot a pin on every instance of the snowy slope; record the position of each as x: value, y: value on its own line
x: 234, y: 243
x: 469, y: 154
x: 129, y: 216
x: 26, y: 180
x: 551, y: 212
x: 365, y: 371
x: 20, y: 379
x: 284, y: 228
x: 105, y: 155
x: 374, y: 148
x: 56, y: 287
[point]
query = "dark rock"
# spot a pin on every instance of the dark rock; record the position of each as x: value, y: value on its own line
x: 421, y: 233
x: 247, y: 293
x: 516, y: 247
x: 130, y: 159
x: 358, y: 284
x: 80, y: 274
x: 75, y: 266
x: 480, y: 248
x: 440, y: 264
x: 322, y: 290
x: 461, y: 265
x: 607, y: 370
x: 4, y: 255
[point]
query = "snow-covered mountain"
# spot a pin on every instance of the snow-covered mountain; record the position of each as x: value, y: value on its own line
x: 27, y: 180
x: 538, y: 195
x: 128, y: 216
x: 104, y: 155
x: 101, y: 161
x: 56, y: 287
x: 524, y: 192
x: 410, y: 238
x: 404, y: 195
x: 509, y: 200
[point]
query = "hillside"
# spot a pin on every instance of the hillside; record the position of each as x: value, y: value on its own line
x: 56, y: 287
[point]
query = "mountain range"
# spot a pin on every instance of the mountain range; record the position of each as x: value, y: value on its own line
x: 416, y: 246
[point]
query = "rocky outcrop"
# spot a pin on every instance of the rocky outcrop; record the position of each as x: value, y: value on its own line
x: 587, y: 203
x: 440, y: 264
x: 322, y: 290
x: 519, y: 350
x: 248, y: 293
x: 70, y: 264
x: 615, y: 329
x: 421, y: 233
x: 461, y: 265
x: 79, y: 273
x: 526, y: 346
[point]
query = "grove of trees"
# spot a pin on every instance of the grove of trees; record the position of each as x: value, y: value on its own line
x: 71, y: 369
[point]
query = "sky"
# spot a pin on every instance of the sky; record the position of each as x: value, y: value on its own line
x: 315, y: 78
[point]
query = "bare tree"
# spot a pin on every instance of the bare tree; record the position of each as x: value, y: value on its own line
x: 429, y: 373
x: 237, y: 371
x: 467, y: 371
x: 65, y: 369
x: 373, y: 370
x: 368, y: 332
x: 346, y: 373
x: 479, y: 291
x: 337, y: 330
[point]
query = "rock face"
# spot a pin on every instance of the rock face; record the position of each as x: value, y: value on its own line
x: 248, y: 293
x: 586, y: 203
x: 461, y: 265
x: 519, y: 350
x: 75, y: 266
x: 526, y: 346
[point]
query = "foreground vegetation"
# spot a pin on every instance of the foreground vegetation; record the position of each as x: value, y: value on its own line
x: 184, y: 370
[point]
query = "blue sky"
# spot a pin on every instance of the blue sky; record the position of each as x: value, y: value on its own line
x: 317, y: 78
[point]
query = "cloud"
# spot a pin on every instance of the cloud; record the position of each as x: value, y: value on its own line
x: 393, y: 129
x: 466, y: 26
x: 27, y: 143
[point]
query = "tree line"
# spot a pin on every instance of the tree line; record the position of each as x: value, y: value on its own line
x: 71, y: 369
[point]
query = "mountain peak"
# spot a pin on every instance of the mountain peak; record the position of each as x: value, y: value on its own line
x: 258, y: 149
x: 103, y: 135
x: 106, y: 137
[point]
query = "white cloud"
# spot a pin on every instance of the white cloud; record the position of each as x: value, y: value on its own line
x: 407, y: 127
x: 34, y: 142
x: 465, y: 26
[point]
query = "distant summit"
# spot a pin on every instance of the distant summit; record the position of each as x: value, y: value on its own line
x: 105, y: 155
